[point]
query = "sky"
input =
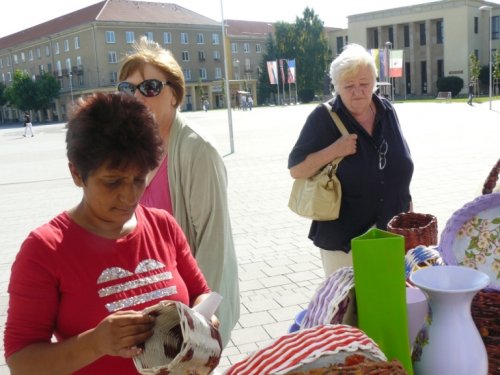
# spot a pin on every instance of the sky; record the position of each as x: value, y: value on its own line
x: 22, y: 14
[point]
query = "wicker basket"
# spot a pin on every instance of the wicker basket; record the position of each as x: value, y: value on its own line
x: 417, y: 229
x: 486, y: 314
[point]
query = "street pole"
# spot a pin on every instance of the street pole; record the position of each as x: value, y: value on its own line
x: 226, y: 75
x: 490, y: 89
x: 71, y: 87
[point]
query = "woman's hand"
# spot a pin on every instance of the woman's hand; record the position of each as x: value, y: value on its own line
x: 122, y: 333
x: 346, y: 145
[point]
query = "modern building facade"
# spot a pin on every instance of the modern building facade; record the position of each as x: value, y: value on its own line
x: 437, y: 39
x: 84, y: 49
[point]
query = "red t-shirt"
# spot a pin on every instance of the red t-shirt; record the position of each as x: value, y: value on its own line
x: 65, y: 280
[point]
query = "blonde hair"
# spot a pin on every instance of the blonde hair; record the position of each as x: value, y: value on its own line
x: 149, y: 52
x: 350, y: 61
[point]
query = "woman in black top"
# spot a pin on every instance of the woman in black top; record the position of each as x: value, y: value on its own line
x: 377, y: 167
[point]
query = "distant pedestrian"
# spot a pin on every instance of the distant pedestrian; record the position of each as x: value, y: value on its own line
x: 206, y: 105
x: 250, y: 103
x: 471, y: 93
x: 28, y: 125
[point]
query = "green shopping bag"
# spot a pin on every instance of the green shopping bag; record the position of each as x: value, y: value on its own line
x: 379, y: 279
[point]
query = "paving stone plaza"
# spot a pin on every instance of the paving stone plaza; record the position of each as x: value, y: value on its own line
x: 453, y: 145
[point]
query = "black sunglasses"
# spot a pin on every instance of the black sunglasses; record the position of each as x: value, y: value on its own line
x: 148, y: 88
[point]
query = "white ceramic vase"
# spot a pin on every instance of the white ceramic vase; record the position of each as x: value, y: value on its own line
x: 449, y: 343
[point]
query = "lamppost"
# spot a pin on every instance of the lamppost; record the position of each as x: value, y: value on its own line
x: 388, y: 46
x: 487, y: 7
x: 226, y: 76
x: 70, y: 76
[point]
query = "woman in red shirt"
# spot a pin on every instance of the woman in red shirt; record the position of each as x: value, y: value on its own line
x: 85, y: 276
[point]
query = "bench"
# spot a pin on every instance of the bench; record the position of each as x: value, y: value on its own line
x: 444, y: 95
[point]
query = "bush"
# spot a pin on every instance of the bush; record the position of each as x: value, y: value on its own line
x: 306, y: 95
x: 452, y: 83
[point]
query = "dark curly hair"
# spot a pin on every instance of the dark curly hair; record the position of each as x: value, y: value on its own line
x: 114, y: 129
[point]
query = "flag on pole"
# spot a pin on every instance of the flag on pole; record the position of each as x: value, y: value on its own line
x: 396, y: 63
x: 291, y: 71
x: 282, y: 70
x: 376, y: 56
x: 272, y: 71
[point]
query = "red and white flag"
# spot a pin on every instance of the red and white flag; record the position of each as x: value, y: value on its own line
x: 272, y: 71
x: 291, y: 71
x: 396, y: 63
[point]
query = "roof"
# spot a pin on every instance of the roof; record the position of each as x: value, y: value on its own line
x: 110, y: 10
x: 249, y: 28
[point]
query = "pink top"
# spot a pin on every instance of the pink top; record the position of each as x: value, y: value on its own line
x: 157, y: 193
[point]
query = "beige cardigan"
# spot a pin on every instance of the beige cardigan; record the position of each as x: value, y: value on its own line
x: 198, y: 189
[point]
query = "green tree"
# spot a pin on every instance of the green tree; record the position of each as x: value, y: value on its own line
x: 26, y: 94
x: 22, y: 93
x: 47, y: 89
x: 311, y: 51
x: 474, y: 70
x: 496, y: 71
x: 264, y: 87
x: 3, y: 98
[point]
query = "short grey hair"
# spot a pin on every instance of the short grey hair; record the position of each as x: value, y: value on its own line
x: 352, y: 58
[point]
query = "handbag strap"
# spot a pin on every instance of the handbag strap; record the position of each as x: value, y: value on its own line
x: 340, y: 125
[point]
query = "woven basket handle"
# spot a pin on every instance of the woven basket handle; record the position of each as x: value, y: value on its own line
x: 491, y: 180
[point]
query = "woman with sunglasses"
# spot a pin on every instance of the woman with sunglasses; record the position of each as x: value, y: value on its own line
x: 377, y: 168
x: 85, y: 277
x: 191, y: 180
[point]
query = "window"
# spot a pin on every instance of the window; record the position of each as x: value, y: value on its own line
x: 495, y: 27
x: 218, y: 73
x: 203, y: 73
x: 258, y: 48
x: 391, y: 35
x: 112, y: 57
x: 56, y: 48
x: 185, y: 55
x: 439, y: 32
x: 77, y: 42
x: 1, y: 63
x: 248, y: 67
x: 9, y: 75
x: 59, y: 68
x: 66, y: 45
x: 406, y: 36
x: 375, y: 38
x: 30, y: 55
x: 15, y: 60
x: 68, y: 64
x: 422, y: 34
x: 200, y: 38
x: 79, y: 62
x: 129, y: 37
x: 340, y: 44
x: 216, y: 55
x: 440, y: 68
x: 167, y: 37
x: 8, y: 61
x: 149, y: 36
x: 113, y: 77
x: 110, y: 37
x: 47, y: 51
x: 184, y: 38
x: 187, y: 74
x: 201, y: 55
x: 215, y: 39
x: 23, y: 57
x: 476, y: 25
x: 38, y: 53
x: 246, y: 47
x: 234, y: 47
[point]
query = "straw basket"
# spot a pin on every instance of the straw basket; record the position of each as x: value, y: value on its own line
x: 417, y: 229
x: 486, y: 314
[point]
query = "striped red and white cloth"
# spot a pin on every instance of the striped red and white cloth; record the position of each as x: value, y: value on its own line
x: 307, y: 346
